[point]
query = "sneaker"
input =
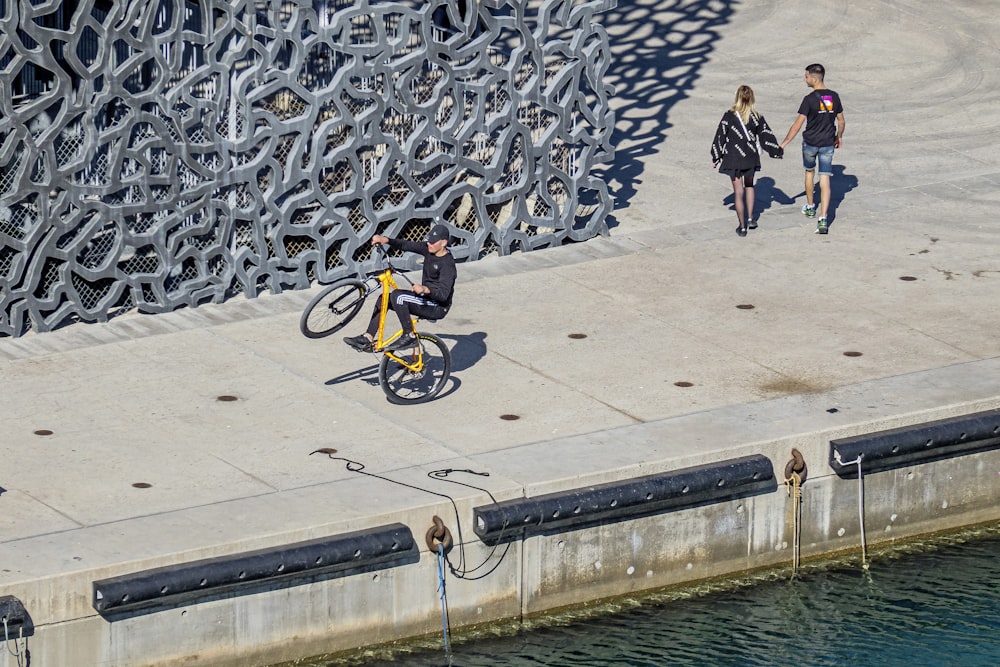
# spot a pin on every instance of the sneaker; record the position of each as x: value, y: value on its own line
x: 809, y: 211
x: 742, y: 231
x: 752, y: 224
x: 401, y: 343
x: 821, y: 226
x: 359, y: 343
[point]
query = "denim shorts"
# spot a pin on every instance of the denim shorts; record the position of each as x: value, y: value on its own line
x: 825, y: 154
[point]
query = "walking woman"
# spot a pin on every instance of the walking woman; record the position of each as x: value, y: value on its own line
x: 735, y: 151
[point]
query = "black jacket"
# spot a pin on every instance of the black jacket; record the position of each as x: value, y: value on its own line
x: 439, y: 272
x: 737, y: 152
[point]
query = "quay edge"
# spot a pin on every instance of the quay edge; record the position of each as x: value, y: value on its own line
x: 323, y: 613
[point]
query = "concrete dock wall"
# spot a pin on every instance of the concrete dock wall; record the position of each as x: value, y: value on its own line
x: 284, y: 618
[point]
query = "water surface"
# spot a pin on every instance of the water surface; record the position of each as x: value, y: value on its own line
x: 935, y: 603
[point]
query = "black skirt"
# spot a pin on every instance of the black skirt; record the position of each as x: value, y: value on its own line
x: 734, y: 172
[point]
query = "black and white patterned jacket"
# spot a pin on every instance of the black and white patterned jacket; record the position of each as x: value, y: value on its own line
x: 734, y: 151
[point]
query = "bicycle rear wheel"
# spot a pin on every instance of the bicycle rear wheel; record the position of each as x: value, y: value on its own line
x: 332, y: 308
x: 402, y: 385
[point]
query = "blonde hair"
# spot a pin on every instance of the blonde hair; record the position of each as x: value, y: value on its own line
x: 744, y: 104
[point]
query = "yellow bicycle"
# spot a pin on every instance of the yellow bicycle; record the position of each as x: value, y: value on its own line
x: 416, y: 375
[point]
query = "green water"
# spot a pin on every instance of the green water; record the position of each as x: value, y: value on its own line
x: 921, y: 605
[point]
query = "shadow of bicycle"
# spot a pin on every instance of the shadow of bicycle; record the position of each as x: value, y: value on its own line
x: 369, y: 375
x: 466, y: 351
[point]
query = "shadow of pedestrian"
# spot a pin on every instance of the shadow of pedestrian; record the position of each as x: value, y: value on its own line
x: 765, y: 194
x: 840, y: 185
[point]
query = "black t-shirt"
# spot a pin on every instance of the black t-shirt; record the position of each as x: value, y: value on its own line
x: 821, y: 107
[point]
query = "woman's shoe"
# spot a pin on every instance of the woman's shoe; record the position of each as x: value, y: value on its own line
x: 741, y: 230
x: 752, y: 224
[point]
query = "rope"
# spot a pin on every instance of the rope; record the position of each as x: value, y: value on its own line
x: 861, y: 514
x: 861, y: 503
x: 461, y: 570
x: 444, y: 598
x: 794, y: 485
x: 19, y: 651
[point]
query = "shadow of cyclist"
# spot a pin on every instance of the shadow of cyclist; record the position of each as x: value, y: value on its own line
x: 368, y: 374
x: 467, y: 350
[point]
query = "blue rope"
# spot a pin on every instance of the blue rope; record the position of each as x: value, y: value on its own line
x: 444, y: 602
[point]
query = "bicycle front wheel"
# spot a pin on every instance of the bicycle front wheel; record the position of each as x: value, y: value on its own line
x: 408, y: 385
x: 333, y: 308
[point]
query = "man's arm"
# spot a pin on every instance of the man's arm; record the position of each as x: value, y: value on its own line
x: 400, y: 244
x: 793, y: 130
x: 841, y: 124
x: 408, y: 246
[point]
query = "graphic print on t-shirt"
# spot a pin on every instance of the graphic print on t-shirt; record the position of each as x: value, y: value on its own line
x: 826, y: 104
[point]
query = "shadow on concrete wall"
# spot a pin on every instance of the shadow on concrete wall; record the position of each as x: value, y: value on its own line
x: 658, y: 50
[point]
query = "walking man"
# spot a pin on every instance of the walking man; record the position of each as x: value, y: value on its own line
x: 823, y: 116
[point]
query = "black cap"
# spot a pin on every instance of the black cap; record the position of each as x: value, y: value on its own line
x: 438, y: 233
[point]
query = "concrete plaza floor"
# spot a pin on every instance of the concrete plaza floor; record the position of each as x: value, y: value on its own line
x: 115, y: 447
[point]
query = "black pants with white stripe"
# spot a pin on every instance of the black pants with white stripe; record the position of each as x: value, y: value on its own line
x: 408, y: 305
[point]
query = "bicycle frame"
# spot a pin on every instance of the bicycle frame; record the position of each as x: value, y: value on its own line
x: 412, y: 374
x: 388, y: 283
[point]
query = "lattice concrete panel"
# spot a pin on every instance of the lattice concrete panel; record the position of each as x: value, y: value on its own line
x: 155, y: 155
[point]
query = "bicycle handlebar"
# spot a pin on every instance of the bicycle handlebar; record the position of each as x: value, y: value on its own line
x: 384, y: 253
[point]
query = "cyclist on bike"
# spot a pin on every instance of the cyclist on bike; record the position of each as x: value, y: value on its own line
x: 429, y: 299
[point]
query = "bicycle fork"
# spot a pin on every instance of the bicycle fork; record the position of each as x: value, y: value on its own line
x: 416, y: 363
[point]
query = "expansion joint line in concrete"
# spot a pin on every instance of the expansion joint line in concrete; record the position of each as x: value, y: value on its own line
x: 903, y: 325
x: 528, y: 367
x: 298, y: 375
x: 244, y: 472
x: 78, y: 524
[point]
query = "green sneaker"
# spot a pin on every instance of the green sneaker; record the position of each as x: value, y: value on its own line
x: 809, y: 211
x: 822, y: 226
